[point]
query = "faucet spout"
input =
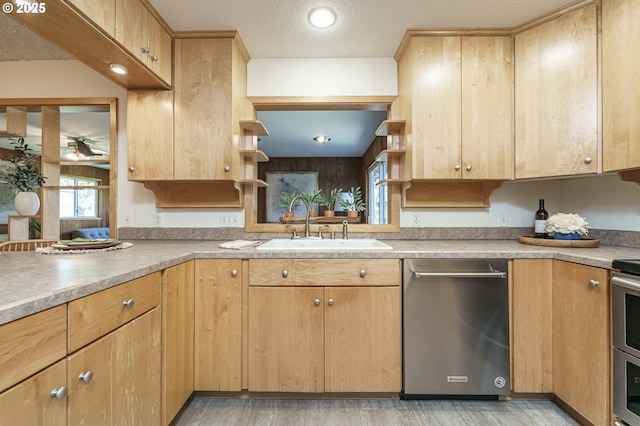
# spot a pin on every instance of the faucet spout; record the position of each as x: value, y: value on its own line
x: 306, y: 218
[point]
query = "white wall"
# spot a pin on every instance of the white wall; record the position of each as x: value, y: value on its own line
x: 605, y: 201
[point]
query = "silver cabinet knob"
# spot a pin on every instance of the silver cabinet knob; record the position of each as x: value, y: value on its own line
x: 363, y: 273
x: 154, y: 58
x: 458, y: 167
x: 285, y: 273
x: 594, y: 283
x: 85, y: 377
x: 468, y: 167
x: 226, y: 169
x: 234, y: 273
x: 588, y: 160
x: 59, y: 393
x: 128, y: 303
x: 316, y: 302
x: 145, y: 50
x: 330, y: 302
x: 132, y: 169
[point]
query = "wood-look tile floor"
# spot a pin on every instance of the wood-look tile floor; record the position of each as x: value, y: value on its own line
x: 298, y: 412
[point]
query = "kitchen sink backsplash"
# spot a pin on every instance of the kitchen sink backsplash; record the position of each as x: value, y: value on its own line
x: 606, y: 237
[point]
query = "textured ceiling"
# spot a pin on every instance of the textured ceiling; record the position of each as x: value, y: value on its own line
x: 19, y: 44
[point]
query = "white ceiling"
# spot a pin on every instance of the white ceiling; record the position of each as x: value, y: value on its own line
x: 279, y: 29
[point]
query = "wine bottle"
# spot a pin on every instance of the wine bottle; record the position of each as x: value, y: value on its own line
x: 541, y: 220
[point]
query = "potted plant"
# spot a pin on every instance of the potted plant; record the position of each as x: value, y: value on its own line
x: 313, y: 199
x: 329, y: 201
x: 354, y: 203
x: 284, y: 200
x: 24, y: 177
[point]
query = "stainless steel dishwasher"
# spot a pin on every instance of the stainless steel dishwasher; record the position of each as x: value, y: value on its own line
x: 455, y: 328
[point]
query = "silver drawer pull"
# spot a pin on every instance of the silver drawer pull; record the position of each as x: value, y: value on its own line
x: 494, y: 274
x: 128, y: 303
x: 363, y: 273
x: 316, y: 302
x: 234, y: 273
x: 285, y: 273
x: 330, y: 302
x: 594, y: 283
x: 86, y: 377
x: 59, y: 393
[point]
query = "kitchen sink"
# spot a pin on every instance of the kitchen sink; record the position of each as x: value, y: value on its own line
x: 323, y: 244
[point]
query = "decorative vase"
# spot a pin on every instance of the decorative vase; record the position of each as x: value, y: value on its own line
x: 572, y: 236
x: 27, y: 203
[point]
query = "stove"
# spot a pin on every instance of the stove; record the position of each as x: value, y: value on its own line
x: 628, y: 266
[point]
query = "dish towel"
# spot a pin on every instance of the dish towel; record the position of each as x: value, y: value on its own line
x: 239, y: 244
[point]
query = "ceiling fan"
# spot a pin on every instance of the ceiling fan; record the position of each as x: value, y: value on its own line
x: 81, y: 148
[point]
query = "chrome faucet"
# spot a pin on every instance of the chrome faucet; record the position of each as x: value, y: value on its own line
x: 306, y: 219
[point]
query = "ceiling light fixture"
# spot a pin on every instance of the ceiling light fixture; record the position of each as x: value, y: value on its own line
x: 321, y: 139
x: 322, y: 17
x: 118, y: 69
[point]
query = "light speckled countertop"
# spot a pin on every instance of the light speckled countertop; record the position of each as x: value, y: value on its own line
x: 31, y: 282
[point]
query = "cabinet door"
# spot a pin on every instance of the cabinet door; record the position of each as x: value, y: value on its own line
x: 136, y: 395
x: 89, y: 381
x: 131, y: 28
x: 218, y: 329
x: 487, y: 108
x: 159, y: 49
x: 150, y: 135
x: 177, y: 338
x: 556, y: 97
x: 532, y: 326
x: 101, y: 12
x: 203, y: 83
x: 363, y: 339
x: 30, y: 402
x: 436, y: 91
x: 286, y: 339
x: 581, y: 340
x: 620, y: 85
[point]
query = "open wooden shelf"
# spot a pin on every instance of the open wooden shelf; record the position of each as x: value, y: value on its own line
x: 256, y: 182
x: 255, y: 127
x: 391, y: 127
x: 256, y: 154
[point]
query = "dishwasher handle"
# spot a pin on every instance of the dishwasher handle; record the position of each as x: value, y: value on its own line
x: 492, y: 274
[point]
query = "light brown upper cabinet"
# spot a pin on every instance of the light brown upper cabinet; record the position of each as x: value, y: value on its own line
x: 455, y: 94
x: 556, y: 96
x: 140, y: 33
x: 101, y: 12
x: 620, y: 84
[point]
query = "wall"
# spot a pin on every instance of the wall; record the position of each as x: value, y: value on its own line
x: 605, y: 201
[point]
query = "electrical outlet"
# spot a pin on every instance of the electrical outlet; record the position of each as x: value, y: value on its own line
x: 415, y: 219
x: 157, y: 220
x: 228, y: 220
x: 126, y: 220
x: 504, y: 218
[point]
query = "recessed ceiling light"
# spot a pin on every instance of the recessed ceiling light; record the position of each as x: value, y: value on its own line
x: 322, y: 17
x: 118, y: 69
x: 321, y: 139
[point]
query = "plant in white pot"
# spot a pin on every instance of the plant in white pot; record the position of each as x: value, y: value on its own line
x: 23, y: 175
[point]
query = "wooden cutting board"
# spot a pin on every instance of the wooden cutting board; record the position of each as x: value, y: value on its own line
x: 550, y: 242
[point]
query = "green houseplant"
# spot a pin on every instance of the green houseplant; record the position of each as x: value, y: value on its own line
x: 284, y: 199
x: 24, y: 176
x: 329, y: 201
x: 354, y: 202
x: 313, y: 199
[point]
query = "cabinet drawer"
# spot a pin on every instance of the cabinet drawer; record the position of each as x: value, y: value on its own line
x: 31, y: 344
x: 97, y: 314
x: 324, y: 272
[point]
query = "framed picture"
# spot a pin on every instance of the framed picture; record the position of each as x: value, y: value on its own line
x: 290, y: 182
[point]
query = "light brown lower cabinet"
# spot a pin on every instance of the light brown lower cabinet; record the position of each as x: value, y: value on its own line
x: 310, y: 338
x: 581, y: 339
x: 532, y: 326
x: 218, y: 325
x: 30, y: 402
x: 177, y: 338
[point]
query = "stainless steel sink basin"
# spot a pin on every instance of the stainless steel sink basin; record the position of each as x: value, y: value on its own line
x: 326, y: 244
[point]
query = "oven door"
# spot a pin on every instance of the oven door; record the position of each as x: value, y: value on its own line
x: 625, y: 307
x: 626, y: 387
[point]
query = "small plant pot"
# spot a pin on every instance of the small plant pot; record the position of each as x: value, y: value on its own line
x: 573, y: 236
x: 313, y: 213
x: 329, y: 213
x: 289, y: 214
x: 352, y: 213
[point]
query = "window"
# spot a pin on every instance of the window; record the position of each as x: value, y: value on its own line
x: 378, y: 204
x: 78, y: 201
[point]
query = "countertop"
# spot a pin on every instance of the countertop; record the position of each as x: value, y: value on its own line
x: 31, y: 282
